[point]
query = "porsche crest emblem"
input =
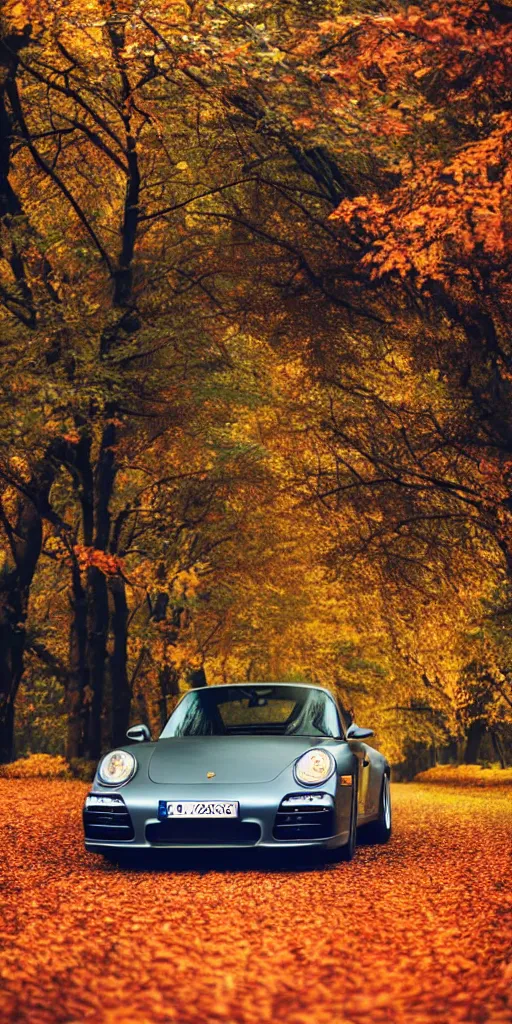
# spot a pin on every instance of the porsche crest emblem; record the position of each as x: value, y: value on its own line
x: 210, y: 775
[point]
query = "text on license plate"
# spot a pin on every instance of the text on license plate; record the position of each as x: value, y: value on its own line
x: 202, y: 809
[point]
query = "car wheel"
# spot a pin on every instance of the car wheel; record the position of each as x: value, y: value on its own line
x: 379, y: 831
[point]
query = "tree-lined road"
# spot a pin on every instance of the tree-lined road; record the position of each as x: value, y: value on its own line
x: 415, y: 932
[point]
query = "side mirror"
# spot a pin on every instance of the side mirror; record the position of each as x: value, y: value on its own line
x: 354, y: 732
x: 139, y: 733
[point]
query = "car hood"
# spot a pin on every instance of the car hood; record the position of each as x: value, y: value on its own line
x: 188, y: 759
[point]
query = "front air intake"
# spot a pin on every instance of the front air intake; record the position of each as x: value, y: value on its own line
x: 106, y: 817
x: 305, y: 816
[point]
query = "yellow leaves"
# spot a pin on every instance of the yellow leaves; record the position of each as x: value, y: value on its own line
x: 130, y: 51
x: 17, y: 14
x: 19, y: 466
x: 178, y: 656
x: 56, y: 547
x: 466, y: 775
x: 186, y: 583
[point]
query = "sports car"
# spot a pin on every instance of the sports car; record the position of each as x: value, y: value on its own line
x: 242, y: 765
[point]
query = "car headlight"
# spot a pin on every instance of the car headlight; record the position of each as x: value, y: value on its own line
x: 117, y: 768
x: 314, y: 767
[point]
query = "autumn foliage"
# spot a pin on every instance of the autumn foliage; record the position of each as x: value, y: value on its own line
x: 256, y: 365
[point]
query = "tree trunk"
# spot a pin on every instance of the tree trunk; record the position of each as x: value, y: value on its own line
x: 498, y: 748
x: 169, y: 687
x: 90, y: 605
x: 162, y: 700
x: 7, y: 698
x: 121, y: 691
x: 24, y: 538
x: 77, y: 685
x: 97, y: 636
x: 475, y: 735
x: 447, y: 754
x: 167, y: 676
x: 76, y: 457
x: 197, y: 677
x: 13, y: 604
x: 142, y: 708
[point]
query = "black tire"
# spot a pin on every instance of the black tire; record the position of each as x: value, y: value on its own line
x: 379, y: 831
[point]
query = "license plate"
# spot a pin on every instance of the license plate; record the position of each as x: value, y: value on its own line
x: 202, y: 809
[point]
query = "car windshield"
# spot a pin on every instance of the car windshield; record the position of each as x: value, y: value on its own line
x: 259, y: 709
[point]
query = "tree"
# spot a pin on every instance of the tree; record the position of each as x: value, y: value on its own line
x: 254, y: 300
x: 87, y: 93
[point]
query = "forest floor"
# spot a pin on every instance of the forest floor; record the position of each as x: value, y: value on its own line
x: 415, y: 932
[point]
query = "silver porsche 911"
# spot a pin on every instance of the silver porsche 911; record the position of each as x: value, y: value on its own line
x: 246, y: 765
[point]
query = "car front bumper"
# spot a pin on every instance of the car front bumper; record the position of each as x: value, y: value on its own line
x: 132, y: 821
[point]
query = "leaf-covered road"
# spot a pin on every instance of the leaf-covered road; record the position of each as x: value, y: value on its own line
x: 415, y: 932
